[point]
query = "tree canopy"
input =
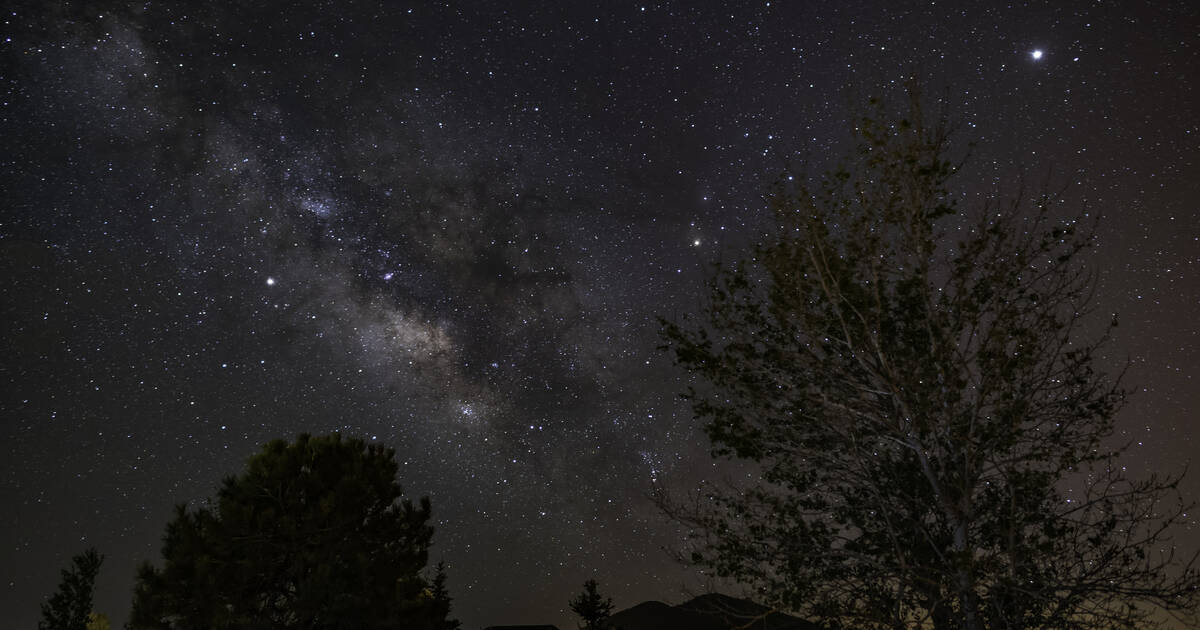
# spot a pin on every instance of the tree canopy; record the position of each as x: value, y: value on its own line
x: 314, y: 534
x: 915, y: 391
x: 70, y: 607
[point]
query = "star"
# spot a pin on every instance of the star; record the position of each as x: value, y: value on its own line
x: 473, y: 279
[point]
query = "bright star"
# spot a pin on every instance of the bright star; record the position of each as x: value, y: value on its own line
x: 270, y: 282
x: 1036, y: 54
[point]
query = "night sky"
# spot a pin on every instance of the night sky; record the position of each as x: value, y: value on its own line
x: 451, y: 228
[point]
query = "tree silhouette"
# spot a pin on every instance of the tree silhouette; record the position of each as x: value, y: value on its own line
x: 70, y: 606
x: 914, y: 392
x: 592, y: 607
x: 441, y: 600
x: 313, y: 535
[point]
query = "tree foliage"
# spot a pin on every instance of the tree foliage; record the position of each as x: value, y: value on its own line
x: 314, y: 534
x: 70, y: 606
x: 441, y: 601
x: 592, y: 607
x: 915, y: 391
x: 98, y: 621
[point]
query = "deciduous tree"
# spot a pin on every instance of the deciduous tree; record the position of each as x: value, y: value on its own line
x: 914, y: 392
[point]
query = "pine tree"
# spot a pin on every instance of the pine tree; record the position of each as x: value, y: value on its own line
x: 315, y: 534
x: 70, y: 606
x: 441, y: 600
x: 593, y: 608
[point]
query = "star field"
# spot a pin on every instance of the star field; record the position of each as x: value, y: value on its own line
x: 451, y: 228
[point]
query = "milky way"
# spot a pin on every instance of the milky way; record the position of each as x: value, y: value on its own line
x: 452, y: 229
